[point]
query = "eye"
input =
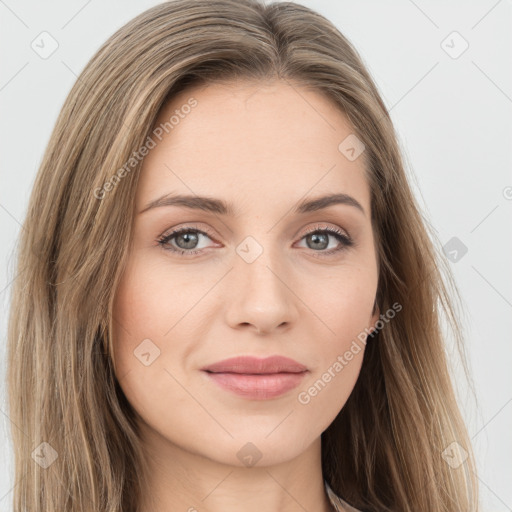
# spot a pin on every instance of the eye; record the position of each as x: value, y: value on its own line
x: 183, y: 241
x: 317, y: 239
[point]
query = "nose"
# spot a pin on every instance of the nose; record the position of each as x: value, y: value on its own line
x: 261, y: 296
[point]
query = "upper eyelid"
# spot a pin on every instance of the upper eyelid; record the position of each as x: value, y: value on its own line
x: 315, y: 228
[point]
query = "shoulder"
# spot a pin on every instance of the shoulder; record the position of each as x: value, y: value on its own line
x: 338, y: 503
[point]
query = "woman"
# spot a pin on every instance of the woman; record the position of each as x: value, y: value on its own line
x: 231, y: 300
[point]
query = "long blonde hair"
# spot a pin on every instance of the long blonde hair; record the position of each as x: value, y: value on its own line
x: 384, y: 451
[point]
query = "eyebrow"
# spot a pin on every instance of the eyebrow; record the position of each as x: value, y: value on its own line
x: 212, y: 205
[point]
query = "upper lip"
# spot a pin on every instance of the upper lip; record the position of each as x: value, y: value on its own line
x: 255, y: 365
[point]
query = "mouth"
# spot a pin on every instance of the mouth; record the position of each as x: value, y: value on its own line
x: 257, y: 379
x: 261, y: 386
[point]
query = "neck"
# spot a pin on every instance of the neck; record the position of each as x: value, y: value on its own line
x: 179, y: 480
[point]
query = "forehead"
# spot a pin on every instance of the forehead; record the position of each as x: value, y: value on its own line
x: 247, y: 141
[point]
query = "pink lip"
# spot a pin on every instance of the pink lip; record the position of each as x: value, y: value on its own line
x: 255, y: 378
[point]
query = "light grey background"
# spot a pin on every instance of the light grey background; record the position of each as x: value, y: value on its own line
x: 454, y: 119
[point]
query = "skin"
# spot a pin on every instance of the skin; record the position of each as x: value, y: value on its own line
x: 263, y: 147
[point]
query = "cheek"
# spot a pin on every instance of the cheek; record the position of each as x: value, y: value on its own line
x: 343, y: 304
x: 143, y: 312
x: 158, y: 297
x: 139, y: 320
x: 344, y: 307
x: 149, y: 302
x: 152, y: 330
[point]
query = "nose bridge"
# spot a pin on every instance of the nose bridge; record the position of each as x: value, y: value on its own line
x: 259, y: 264
x: 261, y: 293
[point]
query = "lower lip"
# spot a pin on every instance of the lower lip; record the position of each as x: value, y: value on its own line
x: 257, y: 387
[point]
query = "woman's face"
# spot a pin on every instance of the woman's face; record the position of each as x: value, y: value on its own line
x: 260, y: 278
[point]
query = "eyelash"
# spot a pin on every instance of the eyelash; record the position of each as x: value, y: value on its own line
x: 345, y: 240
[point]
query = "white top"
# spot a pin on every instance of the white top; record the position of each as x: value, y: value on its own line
x: 338, y: 504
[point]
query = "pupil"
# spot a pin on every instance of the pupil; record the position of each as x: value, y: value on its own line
x: 322, y: 238
x: 191, y: 239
